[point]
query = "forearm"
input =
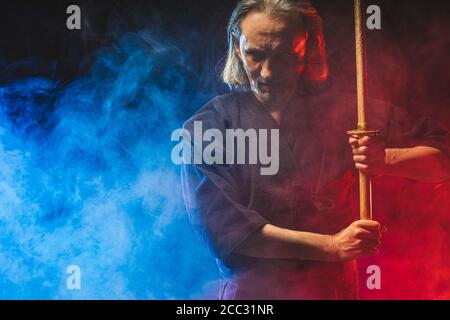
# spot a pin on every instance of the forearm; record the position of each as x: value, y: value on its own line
x: 272, y: 242
x: 421, y: 163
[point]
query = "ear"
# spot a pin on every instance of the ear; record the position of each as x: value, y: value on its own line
x: 237, y: 48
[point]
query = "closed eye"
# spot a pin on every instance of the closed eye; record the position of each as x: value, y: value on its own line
x: 256, y: 56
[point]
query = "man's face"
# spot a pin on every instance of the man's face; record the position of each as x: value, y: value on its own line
x: 272, y: 53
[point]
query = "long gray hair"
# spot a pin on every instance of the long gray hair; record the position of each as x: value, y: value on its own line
x: 300, y: 11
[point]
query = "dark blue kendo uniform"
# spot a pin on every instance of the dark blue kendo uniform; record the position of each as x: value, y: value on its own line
x: 313, y: 191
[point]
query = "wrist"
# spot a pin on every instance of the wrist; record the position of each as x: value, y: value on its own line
x: 332, y: 253
x: 389, y: 162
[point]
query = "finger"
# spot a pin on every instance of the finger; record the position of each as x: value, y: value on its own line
x: 362, y: 167
x: 370, y: 225
x: 360, y: 151
x: 370, y: 244
x: 369, y: 168
x: 364, y: 234
x: 364, y: 141
x: 361, y: 159
x: 353, y: 142
x: 371, y: 151
x: 370, y: 164
x: 373, y: 142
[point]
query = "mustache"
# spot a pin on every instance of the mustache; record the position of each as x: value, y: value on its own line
x: 270, y: 83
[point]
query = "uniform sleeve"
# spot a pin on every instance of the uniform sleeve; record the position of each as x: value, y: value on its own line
x: 403, y: 130
x: 213, y: 201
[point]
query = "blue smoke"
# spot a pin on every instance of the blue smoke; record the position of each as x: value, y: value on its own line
x: 86, y: 179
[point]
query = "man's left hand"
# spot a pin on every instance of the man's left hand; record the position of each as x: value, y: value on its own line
x: 369, y: 154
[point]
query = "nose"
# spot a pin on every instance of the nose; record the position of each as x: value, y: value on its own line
x: 266, y: 69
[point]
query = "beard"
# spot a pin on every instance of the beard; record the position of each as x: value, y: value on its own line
x: 273, y: 94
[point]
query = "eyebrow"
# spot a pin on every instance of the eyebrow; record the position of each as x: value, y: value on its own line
x: 265, y: 50
x: 255, y: 50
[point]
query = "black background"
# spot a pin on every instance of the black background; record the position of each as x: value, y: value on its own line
x: 407, y: 59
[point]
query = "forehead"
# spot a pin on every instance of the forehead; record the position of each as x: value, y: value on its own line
x: 263, y: 30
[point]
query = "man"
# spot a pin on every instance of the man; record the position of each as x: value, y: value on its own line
x: 293, y: 235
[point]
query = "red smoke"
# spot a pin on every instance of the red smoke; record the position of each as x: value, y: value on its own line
x: 415, y: 256
x: 407, y: 66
